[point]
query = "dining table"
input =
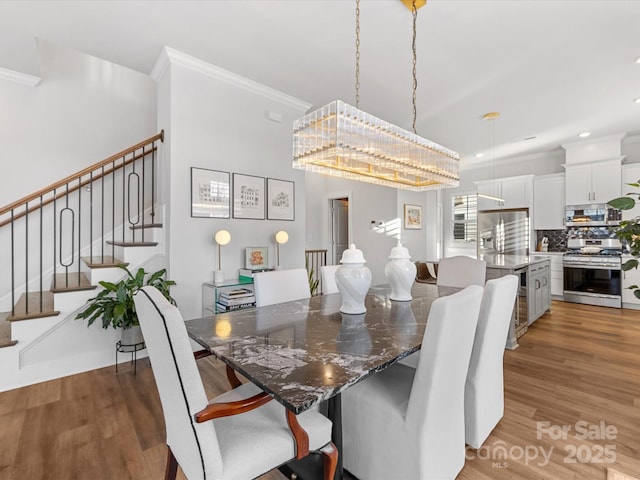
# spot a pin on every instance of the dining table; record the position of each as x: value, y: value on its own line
x: 306, y: 352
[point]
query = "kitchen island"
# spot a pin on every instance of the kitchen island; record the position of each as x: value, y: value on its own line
x: 534, y: 289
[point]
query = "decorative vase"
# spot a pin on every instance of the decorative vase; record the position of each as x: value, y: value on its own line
x: 400, y: 273
x: 353, y: 280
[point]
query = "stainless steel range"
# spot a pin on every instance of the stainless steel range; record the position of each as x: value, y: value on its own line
x: 592, y: 272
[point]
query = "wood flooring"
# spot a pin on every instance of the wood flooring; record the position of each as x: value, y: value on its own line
x: 576, y: 374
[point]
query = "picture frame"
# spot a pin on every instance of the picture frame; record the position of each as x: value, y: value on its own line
x: 210, y: 193
x: 281, y: 199
x: 412, y: 217
x: 248, y: 196
x: 256, y: 258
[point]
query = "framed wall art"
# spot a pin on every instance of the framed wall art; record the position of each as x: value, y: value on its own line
x: 412, y: 217
x: 256, y: 258
x: 210, y: 193
x: 248, y: 196
x: 281, y: 200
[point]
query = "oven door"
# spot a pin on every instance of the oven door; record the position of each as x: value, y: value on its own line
x: 593, y: 285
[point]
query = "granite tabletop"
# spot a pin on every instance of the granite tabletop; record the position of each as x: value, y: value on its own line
x: 306, y: 351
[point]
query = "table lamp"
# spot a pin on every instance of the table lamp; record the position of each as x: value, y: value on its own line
x: 282, y: 237
x: 222, y: 237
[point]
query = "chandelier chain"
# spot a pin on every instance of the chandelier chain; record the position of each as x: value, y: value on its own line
x: 414, y: 12
x: 357, y: 53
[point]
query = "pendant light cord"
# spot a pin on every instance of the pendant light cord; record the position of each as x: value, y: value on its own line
x: 357, y: 53
x: 414, y: 12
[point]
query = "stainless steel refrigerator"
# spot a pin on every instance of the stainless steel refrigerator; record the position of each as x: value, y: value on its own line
x: 503, y: 231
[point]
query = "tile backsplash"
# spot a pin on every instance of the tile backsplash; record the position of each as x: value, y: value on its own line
x: 557, y: 239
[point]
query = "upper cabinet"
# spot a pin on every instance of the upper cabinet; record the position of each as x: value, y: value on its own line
x: 630, y: 174
x: 516, y: 192
x: 548, y: 202
x: 594, y: 182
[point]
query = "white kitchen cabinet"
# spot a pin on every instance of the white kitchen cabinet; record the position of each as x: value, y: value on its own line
x: 630, y: 277
x: 557, y: 273
x: 595, y: 182
x: 548, y: 202
x: 539, y: 293
x: 630, y: 174
x: 517, y: 192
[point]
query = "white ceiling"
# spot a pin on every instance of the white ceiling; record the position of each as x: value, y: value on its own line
x: 552, y: 68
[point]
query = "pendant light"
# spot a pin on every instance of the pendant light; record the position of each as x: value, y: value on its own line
x: 491, y: 117
x: 344, y: 141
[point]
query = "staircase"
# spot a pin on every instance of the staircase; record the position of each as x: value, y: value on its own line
x: 58, y: 243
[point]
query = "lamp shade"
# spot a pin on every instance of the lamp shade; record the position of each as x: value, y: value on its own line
x: 282, y: 237
x: 222, y: 237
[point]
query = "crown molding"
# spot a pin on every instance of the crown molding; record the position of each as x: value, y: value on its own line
x: 18, y: 77
x: 169, y: 56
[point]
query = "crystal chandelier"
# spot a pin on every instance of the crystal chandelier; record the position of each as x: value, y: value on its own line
x: 342, y: 140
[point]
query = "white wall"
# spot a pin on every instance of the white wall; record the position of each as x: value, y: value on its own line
x: 84, y: 110
x: 367, y: 202
x: 218, y: 121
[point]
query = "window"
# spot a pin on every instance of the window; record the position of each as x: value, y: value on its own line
x: 465, y: 218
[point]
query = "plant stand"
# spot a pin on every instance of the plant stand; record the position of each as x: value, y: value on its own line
x: 133, y: 349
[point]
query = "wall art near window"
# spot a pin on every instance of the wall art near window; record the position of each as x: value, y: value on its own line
x: 210, y: 193
x: 248, y: 197
x: 281, y: 199
x: 256, y: 258
x: 412, y: 217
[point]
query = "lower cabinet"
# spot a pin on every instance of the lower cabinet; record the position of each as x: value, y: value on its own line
x: 629, y: 278
x: 539, y: 289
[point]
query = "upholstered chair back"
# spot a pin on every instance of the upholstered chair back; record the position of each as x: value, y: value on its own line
x: 436, y: 403
x: 281, y: 286
x: 194, y: 445
x: 461, y: 271
x: 328, y: 275
x: 484, y: 390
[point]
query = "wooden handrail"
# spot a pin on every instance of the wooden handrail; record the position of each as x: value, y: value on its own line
x: 74, y: 188
x: 81, y: 173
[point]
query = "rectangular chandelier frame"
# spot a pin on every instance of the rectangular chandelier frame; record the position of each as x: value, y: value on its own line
x: 341, y: 140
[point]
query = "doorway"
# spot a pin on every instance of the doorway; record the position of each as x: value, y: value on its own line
x: 339, y: 212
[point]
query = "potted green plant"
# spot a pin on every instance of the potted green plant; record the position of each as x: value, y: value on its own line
x: 114, y: 304
x: 629, y: 231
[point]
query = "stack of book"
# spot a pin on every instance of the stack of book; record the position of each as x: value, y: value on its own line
x: 235, y: 299
x: 247, y: 273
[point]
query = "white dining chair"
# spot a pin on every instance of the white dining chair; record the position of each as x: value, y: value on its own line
x: 241, y: 434
x: 408, y: 423
x: 280, y: 286
x: 461, y: 271
x: 328, y: 275
x: 484, y: 389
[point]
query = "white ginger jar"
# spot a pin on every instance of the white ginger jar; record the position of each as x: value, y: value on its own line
x: 400, y: 273
x: 353, y: 280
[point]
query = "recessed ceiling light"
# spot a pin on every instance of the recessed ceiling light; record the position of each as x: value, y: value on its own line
x: 584, y: 134
x: 638, y: 60
x: 479, y: 155
x: 637, y: 100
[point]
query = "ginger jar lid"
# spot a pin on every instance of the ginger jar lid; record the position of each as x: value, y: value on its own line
x: 352, y: 255
x: 399, y: 252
